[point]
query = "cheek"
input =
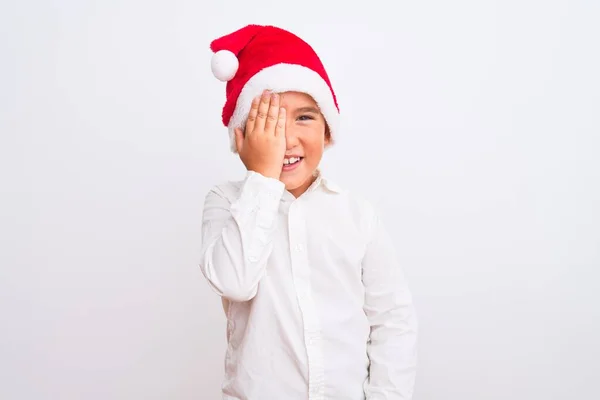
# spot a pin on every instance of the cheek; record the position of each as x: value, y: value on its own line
x: 314, y: 149
x: 314, y: 139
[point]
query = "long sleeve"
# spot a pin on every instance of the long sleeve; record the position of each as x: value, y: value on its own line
x: 237, y: 236
x: 392, y: 348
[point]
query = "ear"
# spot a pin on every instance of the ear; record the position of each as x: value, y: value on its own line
x: 327, y: 136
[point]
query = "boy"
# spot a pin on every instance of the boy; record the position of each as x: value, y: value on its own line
x: 317, y: 306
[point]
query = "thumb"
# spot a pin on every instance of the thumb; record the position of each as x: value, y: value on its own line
x: 239, y: 139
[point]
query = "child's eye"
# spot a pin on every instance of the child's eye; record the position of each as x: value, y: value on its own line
x: 305, y: 118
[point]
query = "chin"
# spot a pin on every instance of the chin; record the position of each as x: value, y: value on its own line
x: 291, y: 184
x: 296, y: 181
x: 300, y: 177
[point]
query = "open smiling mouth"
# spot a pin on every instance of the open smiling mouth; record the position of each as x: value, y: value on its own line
x: 290, y: 163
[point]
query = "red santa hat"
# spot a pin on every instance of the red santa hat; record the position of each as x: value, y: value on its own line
x: 255, y: 58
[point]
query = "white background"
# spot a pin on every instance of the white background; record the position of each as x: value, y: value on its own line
x: 473, y: 125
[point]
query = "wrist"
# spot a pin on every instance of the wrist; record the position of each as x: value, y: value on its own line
x: 268, y: 172
x: 272, y: 174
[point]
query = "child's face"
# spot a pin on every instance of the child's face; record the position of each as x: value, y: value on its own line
x: 306, y: 138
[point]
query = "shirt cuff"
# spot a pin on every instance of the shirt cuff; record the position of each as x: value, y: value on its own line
x: 268, y: 190
x: 260, y: 195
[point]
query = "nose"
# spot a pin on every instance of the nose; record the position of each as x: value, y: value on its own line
x: 291, y: 137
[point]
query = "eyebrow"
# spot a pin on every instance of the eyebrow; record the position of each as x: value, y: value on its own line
x: 308, y: 109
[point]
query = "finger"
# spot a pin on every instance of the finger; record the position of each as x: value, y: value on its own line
x: 263, y: 109
x: 252, y: 115
x: 239, y: 139
x: 272, y: 114
x: 280, y: 129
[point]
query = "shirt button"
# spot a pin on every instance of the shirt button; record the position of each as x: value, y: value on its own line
x: 299, y: 247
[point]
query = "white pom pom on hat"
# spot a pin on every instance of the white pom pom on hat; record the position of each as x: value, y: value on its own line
x: 224, y: 65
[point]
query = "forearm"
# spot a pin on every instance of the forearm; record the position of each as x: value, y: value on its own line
x: 230, y: 272
x: 237, y: 237
x: 392, y: 347
x: 392, y: 353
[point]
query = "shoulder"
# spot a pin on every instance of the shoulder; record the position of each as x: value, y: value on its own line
x: 228, y: 190
x: 356, y: 204
x: 357, y: 199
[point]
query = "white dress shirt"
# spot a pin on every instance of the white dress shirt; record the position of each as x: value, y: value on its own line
x: 317, y: 305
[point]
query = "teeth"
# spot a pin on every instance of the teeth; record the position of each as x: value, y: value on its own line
x: 291, y: 160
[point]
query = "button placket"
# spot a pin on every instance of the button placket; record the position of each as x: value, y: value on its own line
x: 301, y: 275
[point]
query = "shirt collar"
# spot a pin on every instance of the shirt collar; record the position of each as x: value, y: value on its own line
x: 320, y: 182
x: 325, y: 182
